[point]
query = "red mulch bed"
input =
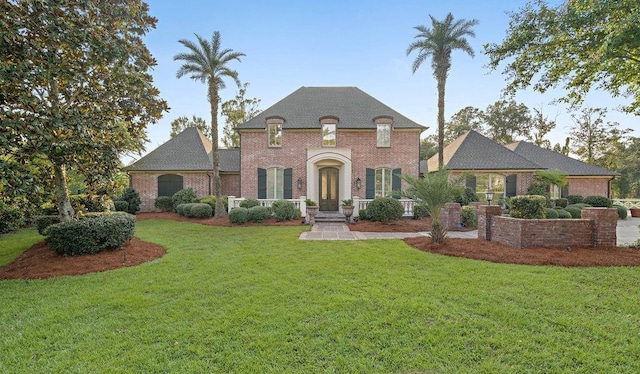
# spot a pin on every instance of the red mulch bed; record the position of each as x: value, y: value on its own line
x: 496, y: 252
x: 40, y: 262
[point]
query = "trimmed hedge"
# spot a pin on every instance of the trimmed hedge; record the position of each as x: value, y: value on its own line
x: 575, y: 199
x: 527, y: 206
x: 385, y: 209
x: 562, y: 202
x: 164, y: 203
x: 598, y: 201
x: 622, y: 211
x: 578, y: 205
x: 201, y: 210
x: 550, y: 213
x: 238, y: 215
x: 284, y: 210
x: 257, y: 213
x: 211, y: 200
x: 11, y: 218
x: 249, y: 203
x: 184, y: 196
x: 186, y: 209
x: 469, y: 216
x: 574, y: 211
x: 121, y: 205
x: 43, y: 223
x: 364, y: 215
x: 563, y: 214
x: 91, y: 235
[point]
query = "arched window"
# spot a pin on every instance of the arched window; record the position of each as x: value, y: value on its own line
x: 168, y: 184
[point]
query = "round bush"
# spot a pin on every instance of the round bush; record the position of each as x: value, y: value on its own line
x: 622, y: 211
x: 131, y: 196
x: 238, y: 215
x: 598, y: 201
x: 257, y: 213
x: 164, y: 203
x: 364, y: 215
x: 186, y: 209
x: 121, y: 205
x: 91, y: 235
x: 469, y: 216
x: 180, y: 209
x: 284, y: 210
x: 211, y: 200
x: 200, y: 210
x: 550, y: 213
x: 11, y: 218
x: 184, y: 196
x: 575, y: 212
x: 563, y: 214
x: 249, y: 203
x: 575, y: 199
x: 43, y: 223
x: 420, y: 210
x: 562, y: 202
x: 527, y: 206
x: 385, y: 209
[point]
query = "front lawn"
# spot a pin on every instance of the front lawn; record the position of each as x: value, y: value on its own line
x: 256, y: 300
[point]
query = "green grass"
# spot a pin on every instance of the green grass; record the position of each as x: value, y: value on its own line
x: 257, y: 300
x: 12, y: 245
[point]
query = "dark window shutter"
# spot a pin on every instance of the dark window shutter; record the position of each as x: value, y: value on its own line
x: 565, y: 191
x: 288, y: 183
x: 396, y: 183
x: 168, y: 184
x: 370, y: 184
x: 471, y: 182
x: 262, y: 183
x: 512, y: 183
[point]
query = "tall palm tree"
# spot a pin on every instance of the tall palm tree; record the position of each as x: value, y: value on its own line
x: 207, y: 62
x: 438, y: 42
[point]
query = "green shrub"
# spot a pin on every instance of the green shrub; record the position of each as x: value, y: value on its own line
x: 598, y: 201
x: 283, y: 210
x: 238, y: 215
x: 550, y: 213
x: 184, y: 196
x: 575, y: 199
x: 364, y: 215
x: 578, y: 205
x: 527, y: 206
x: 186, y: 209
x: 11, y: 218
x: 298, y: 214
x: 562, y: 202
x: 201, y: 210
x: 466, y: 197
x: 121, y: 205
x: 86, y: 203
x: 575, y: 212
x: 540, y: 189
x: 420, y: 210
x: 43, y: 223
x: 180, y: 209
x: 211, y: 200
x: 249, y: 203
x: 164, y: 203
x: 622, y: 211
x: 563, y: 214
x: 257, y: 213
x: 385, y: 209
x: 131, y: 196
x: 469, y: 216
x: 91, y: 235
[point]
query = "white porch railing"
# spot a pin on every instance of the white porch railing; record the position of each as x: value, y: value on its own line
x: 358, y: 204
x: 627, y: 203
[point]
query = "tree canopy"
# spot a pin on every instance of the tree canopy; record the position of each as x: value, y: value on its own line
x: 237, y: 111
x: 75, y: 89
x: 179, y: 124
x: 577, y: 45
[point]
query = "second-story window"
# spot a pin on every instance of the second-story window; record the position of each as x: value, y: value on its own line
x: 384, y: 135
x: 275, y: 134
x: 329, y: 135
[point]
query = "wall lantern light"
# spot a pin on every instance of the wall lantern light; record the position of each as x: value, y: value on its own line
x: 358, y: 183
x: 299, y: 183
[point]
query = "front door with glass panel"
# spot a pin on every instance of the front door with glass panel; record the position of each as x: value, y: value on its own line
x: 328, y: 189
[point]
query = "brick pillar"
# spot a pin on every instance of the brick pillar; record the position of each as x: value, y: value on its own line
x: 485, y: 213
x: 605, y: 221
x: 450, y: 216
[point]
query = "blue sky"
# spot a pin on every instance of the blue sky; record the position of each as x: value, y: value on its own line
x: 289, y: 44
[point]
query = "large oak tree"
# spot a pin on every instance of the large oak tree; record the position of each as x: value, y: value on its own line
x: 74, y: 89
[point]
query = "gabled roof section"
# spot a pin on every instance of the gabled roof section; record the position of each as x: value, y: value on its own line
x: 354, y: 109
x: 473, y: 151
x: 549, y: 159
x: 229, y: 160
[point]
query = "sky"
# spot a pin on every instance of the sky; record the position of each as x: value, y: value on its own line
x: 290, y: 44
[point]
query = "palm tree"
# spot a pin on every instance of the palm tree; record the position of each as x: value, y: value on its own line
x: 438, y: 42
x: 207, y: 62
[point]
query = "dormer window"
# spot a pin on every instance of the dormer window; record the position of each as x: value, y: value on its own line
x: 274, y: 131
x: 329, y: 135
x: 383, y: 130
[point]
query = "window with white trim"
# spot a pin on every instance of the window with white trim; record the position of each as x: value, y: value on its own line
x: 275, y: 134
x: 329, y: 135
x: 384, y: 135
x: 275, y: 183
x: 383, y: 182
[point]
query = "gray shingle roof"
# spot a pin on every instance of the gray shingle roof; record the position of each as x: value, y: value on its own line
x: 188, y: 151
x: 549, y: 159
x: 354, y: 108
x: 473, y: 151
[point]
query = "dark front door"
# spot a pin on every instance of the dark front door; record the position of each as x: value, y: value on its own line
x: 328, y: 189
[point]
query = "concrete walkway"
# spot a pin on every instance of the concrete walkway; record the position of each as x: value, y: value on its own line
x: 627, y: 232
